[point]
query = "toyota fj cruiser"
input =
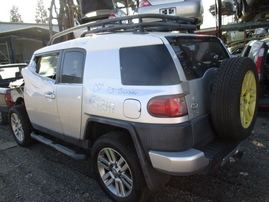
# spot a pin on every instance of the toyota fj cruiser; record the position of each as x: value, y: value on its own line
x: 147, y: 101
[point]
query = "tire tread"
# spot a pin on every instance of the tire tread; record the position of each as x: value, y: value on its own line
x: 225, y: 98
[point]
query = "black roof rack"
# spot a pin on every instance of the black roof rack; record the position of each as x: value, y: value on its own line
x: 141, y: 23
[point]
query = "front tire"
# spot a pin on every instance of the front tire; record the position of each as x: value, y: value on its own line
x: 20, y: 125
x: 117, y: 167
x: 234, y: 98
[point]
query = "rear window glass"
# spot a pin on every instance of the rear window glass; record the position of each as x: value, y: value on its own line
x: 10, y: 72
x: 197, y: 55
x: 147, y: 65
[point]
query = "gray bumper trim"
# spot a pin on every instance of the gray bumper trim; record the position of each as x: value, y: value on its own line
x: 179, y: 163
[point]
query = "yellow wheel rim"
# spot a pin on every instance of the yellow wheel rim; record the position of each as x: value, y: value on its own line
x: 248, y: 99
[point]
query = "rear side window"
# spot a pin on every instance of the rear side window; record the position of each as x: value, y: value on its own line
x: 147, y: 65
x: 72, y: 67
x: 198, y: 54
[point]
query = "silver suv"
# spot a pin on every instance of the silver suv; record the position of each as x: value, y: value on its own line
x: 148, y: 102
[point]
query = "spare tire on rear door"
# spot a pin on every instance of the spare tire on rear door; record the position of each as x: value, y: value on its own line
x: 234, y: 98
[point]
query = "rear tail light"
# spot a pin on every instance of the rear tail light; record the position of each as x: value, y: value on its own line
x: 144, y: 3
x: 201, y: 37
x: 259, y: 60
x: 168, y: 106
x: 8, y: 100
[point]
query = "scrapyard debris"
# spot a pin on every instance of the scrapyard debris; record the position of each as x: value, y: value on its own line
x: 244, y: 174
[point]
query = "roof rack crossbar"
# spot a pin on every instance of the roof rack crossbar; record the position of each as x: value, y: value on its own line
x: 164, y: 22
x: 152, y: 26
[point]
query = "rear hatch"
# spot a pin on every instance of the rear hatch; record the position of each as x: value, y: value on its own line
x: 199, y: 57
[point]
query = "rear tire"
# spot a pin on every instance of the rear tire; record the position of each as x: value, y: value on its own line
x: 234, y: 98
x: 20, y: 125
x: 117, y: 167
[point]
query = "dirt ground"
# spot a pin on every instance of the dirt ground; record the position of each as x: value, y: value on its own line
x: 40, y: 173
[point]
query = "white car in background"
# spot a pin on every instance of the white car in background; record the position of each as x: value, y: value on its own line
x: 185, y: 8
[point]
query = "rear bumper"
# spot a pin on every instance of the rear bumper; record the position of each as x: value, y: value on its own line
x: 179, y: 163
x: 193, y: 160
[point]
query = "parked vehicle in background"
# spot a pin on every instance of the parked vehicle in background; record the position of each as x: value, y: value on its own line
x: 234, y: 37
x: 94, y: 10
x: 8, y: 73
x: 251, y: 10
x: 227, y: 8
x: 257, y: 50
x: 148, y: 103
x: 244, y: 10
x: 236, y: 50
x: 185, y: 8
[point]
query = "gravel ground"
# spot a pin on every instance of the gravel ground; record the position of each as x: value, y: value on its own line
x: 40, y: 173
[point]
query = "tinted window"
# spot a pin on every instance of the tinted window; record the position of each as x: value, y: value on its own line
x: 47, y: 65
x: 197, y: 55
x: 147, y: 65
x: 72, y: 67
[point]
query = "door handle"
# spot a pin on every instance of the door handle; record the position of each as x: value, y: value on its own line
x: 50, y: 95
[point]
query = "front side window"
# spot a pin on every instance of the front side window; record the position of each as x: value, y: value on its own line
x: 147, y: 65
x: 198, y: 54
x: 72, y: 71
x: 47, y: 65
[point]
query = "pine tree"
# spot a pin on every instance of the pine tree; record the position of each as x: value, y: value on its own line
x: 15, y: 16
x: 41, y: 15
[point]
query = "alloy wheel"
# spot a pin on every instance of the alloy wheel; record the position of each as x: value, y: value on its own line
x: 115, y: 172
x: 248, y: 99
x: 17, y: 128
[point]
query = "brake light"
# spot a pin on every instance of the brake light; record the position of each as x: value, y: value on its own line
x: 8, y: 100
x: 144, y: 3
x: 202, y: 37
x: 259, y: 60
x: 168, y: 106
